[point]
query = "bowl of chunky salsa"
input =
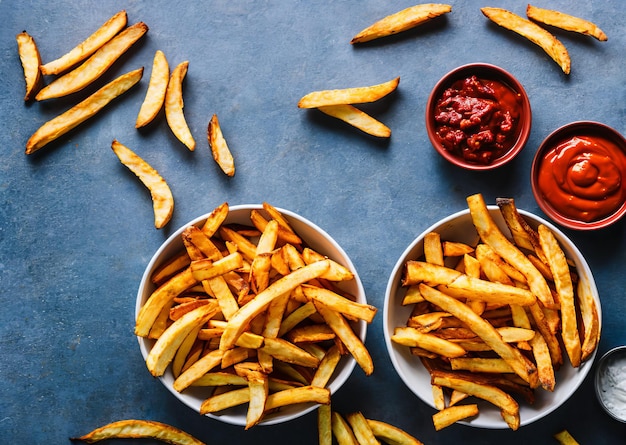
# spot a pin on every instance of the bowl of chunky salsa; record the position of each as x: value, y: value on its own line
x: 578, y: 175
x: 478, y: 116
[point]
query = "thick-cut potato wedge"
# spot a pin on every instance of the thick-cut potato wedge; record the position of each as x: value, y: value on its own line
x: 140, y: 429
x: 452, y: 414
x: 345, y: 96
x: 95, y: 66
x: 174, y: 106
x: 166, y: 346
x: 162, y: 198
x: 155, y: 94
x: 82, y: 111
x: 31, y: 60
x: 219, y: 147
x: 401, y: 21
x: 491, y: 235
x: 565, y: 438
x: 533, y: 32
x: 240, y: 320
x: 520, y: 364
x: 565, y: 21
x: 391, y: 434
x: 490, y: 393
x: 87, y: 47
x: 565, y: 290
x: 357, y: 118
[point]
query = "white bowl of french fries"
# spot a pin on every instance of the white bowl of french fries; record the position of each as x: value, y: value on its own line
x: 473, y: 308
x: 252, y: 315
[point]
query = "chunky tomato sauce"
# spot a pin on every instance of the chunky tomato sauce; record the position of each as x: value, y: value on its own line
x: 581, y: 178
x: 477, y: 119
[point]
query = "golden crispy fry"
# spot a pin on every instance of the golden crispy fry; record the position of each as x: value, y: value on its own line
x: 565, y: 290
x: 533, y: 32
x: 140, y: 429
x: 326, y: 367
x: 162, y: 198
x: 433, y: 250
x: 491, y: 235
x: 348, y: 95
x: 342, y: 431
x: 590, y: 320
x: 492, y: 394
x: 340, y: 304
x: 343, y: 330
x: 166, y: 346
x: 543, y: 360
x: 155, y: 95
x: 565, y: 21
x: 523, y: 235
x: 362, y: 431
x: 289, y: 353
x: 259, y: 391
x: 293, y: 396
x: 79, y: 113
x: 31, y: 60
x: 565, y: 438
x: 452, y: 414
x: 324, y: 425
x: 219, y: 148
x: 452, y: 248
x: 225, y: 400
x: 95, y: 66
x: 199, y: 369
x: 520, y: 364
x: 415, y: 339
x: 87, y: 47
x: 239, y: 321
x: 357, y: 118
x: 391, y: 434
x: 206, y: 269
x: 401, y: 21
x: 476, y: 364
x: 174, y: 106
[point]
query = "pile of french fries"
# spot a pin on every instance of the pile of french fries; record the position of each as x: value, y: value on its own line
x: 253, y: 315
x: 494, y: 319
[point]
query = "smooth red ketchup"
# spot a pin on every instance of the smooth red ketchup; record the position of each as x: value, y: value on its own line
x: 582, y: 178
x: 477, y: 119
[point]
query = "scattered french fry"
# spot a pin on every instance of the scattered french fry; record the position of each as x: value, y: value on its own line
x: 82, y: 111
x: 401, y: 21
x: 140, y: 429
x: 174, y: 106
x: 162, y: 198
x: 31, y: 60
x: 87, y: 47
x: 565, y: 21
x: 219, y: 147
x: 348, y: 95
x: 155, y: 95
x: 358, y: 119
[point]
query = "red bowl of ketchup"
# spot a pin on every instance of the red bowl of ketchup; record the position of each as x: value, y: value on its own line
x: 478, y: 116
x: 578, y: 175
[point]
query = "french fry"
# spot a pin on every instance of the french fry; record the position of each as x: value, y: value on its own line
x: 401, y: 21
x: 413, y: 338
x: 340, y: 304
x: 476, y: 364
x: 357, y: 118
x: 565, y: 21
x: 155, y: 95
x: 57, y: 127
x: 259, y: 391
x: 219, y: 147
x: 342, y: 431
x: 225, y: 400
x: 348, y: 95
x: 391, y: 434
x: 590, y: 320
x: 523, y: 235
x: 452, y: 414
x: 362, y: 431
x: 174, y: 106
x: 293, y: 396
x: 31, y: 60
x: 533, y: 32
x: 162, y: 198
x: 565, y: 290
x: 565, y: 438
x: 95, y: 66
x: 324, y: 425
x: 140, y: 429
x: 87, y: 47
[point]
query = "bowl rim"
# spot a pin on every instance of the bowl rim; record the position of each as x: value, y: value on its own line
x: 570, y: 129
x: 394, y: 350
x: 489, y: 71
x: 340, y: 377
x: 601, y: 364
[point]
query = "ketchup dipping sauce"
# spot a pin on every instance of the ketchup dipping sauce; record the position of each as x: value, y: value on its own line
x: 579, y: 175
x: 478, y: 116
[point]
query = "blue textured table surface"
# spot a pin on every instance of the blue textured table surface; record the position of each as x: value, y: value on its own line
x: 76, y: 228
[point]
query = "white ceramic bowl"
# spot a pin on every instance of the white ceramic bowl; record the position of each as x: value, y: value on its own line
x: 459, y: 227
x: 315, y: 238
